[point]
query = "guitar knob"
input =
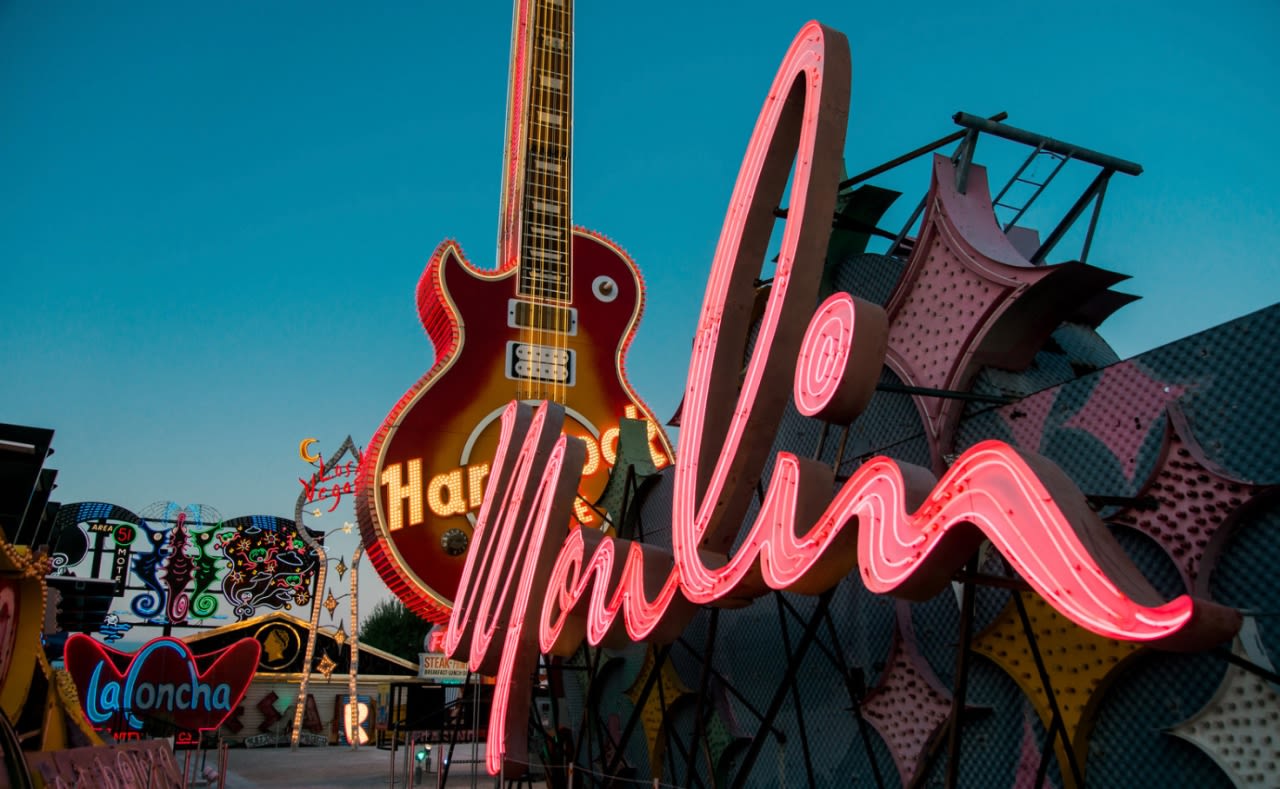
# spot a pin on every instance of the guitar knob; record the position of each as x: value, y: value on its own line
x: 604, y: 288
x: 454, y: 542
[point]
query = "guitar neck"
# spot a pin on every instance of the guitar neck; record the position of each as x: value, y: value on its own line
x: 534, y: 233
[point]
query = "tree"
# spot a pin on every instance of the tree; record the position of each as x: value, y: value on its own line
x: 393, y: 628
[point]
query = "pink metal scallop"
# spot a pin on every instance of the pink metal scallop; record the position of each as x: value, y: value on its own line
x: 1197, y: 504
x: 968, y: 299
x: 1027, y: 419
x: 1121, y: 409
x: 908, y: 706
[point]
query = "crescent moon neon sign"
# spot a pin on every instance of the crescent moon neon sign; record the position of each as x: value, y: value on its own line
x: 304, y: 451
x: 530, y: 585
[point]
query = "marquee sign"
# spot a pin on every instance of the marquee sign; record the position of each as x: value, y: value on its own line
x: 162, y: 682
x: 437, y: 667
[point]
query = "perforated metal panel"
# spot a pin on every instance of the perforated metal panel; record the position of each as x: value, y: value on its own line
x: 1104, y: 422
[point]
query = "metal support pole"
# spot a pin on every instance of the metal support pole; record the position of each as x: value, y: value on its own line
x: 353, y: 677
x: 793, y: 669
x: 856, y: 685
x: 906, y: 157
x: 1070, y: 218
x: 395, y: 733
x: 731, y: 690
x: 844, y: 439
x: 962, y: 674
x: 587, y: 729
x: 666, y: 730
x: 775, y: 706
x: 659, y: 660
x: 822, y: 441
x: 627, y: 486
x: 995, y: 581
x: 703, y: 682
x: 1105, y: 161
x: 1093, y: 220
x: 1098, y: 501
x: 1246, y: 664
x: 1076, y: 773
x: 1042, y: 767
x: 911, y: 220
x: 966, y: 159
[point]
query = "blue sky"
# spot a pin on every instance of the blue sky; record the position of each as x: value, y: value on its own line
x: 213, y: 216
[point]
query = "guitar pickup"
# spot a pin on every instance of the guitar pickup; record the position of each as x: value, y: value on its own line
x: 542, y: 363
x: 542, y: 317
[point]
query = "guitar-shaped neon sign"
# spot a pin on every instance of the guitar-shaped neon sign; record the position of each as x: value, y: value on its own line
x: 552, y: 322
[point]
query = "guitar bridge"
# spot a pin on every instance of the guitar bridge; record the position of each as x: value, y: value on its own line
x: 541, y: 363
x: 543, y: 317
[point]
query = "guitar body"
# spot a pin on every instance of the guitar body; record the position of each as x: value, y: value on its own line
x: 421, y: 479
x: 552, y: 322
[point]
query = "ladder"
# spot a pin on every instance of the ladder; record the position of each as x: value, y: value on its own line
x: 1059, y: 160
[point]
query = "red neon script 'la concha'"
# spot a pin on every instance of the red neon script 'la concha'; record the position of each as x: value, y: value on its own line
x: 531, y: 586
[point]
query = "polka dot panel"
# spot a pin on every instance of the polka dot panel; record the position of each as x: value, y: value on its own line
x: 1233, y: 395
x: 869, y: 276
x: 1239, y: 729
x: 1192, y: 503
x: 1078, y: 663
x: 907, y: 708
x: 937, y: 322
x: 1130, y: 743
x: 1130, y: 700
x: 1245, y: 574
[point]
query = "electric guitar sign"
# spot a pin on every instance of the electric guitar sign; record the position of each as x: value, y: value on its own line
x: 552, y: 322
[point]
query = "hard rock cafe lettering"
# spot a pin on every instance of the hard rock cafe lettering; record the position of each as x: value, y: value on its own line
x: 163, y: 682
x: 460, y: 491
x: 530, y: 584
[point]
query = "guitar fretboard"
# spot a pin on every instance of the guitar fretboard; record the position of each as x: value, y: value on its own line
x: 545, y: 265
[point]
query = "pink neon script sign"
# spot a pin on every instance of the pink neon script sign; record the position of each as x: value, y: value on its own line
x: 906, y: 532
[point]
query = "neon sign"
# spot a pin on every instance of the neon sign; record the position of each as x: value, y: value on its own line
x: 904, y: 532
x: 163, y: 682
x: 553, y: 320
x: 317, y: 487
x: 183, y: 565
x: 341, y: 476
x: 357, y: 721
